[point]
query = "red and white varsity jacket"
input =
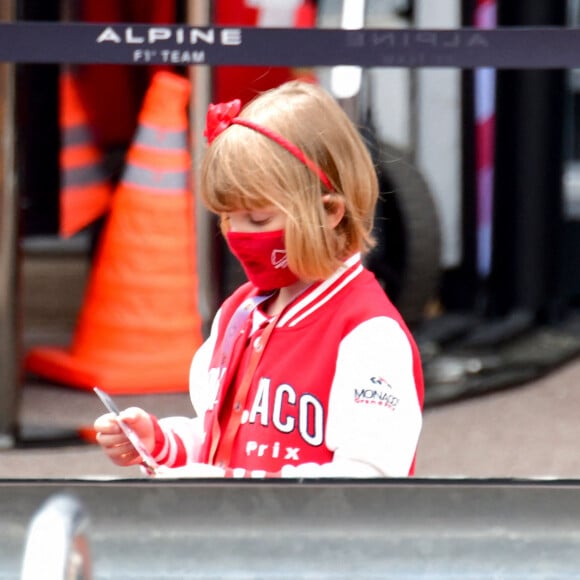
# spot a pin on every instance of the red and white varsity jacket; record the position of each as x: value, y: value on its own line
x: 337, y: 390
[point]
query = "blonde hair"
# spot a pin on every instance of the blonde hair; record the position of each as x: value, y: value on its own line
x: 243, y: 169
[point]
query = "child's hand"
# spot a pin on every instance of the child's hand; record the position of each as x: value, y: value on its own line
x: 115, y: 443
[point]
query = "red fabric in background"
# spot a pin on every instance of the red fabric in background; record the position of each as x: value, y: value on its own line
x: 246, y: 82
x: 113, y: 94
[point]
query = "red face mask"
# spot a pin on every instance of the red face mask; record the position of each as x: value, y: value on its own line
x: 263, y: 257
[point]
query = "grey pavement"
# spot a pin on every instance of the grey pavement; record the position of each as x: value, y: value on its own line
x: 528, y: 431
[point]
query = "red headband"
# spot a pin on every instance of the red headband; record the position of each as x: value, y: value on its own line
x: 221, y: 116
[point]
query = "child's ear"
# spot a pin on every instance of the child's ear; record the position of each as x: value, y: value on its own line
x: 334, y: 207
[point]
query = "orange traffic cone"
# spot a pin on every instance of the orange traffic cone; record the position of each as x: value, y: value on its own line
x: 139, y: 325
x: 85, y: 192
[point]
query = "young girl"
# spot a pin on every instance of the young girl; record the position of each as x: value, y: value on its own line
x: 309, y: 370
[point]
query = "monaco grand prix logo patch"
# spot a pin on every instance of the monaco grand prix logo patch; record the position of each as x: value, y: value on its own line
x: 377, y: 392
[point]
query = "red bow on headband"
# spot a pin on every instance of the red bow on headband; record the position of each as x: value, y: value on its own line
x: 223, y: 115
x: 220, y: 117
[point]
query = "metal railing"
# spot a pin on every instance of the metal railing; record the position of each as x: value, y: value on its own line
x: 294, y: 530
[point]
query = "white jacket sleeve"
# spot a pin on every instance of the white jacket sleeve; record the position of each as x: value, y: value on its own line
x: 203, y: 385
x: 374, y: 416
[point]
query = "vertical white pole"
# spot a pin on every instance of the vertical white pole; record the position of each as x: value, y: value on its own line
x: 438, y: 128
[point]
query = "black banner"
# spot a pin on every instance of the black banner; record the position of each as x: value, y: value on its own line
x: 76, y: 43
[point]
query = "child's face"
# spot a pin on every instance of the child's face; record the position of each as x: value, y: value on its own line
x: 258, y: 220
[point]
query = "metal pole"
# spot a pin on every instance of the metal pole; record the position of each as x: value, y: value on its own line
x: 9, y: 299
x: 199, y: 14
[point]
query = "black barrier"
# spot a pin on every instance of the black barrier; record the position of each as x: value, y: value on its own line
x: 523, y: 48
